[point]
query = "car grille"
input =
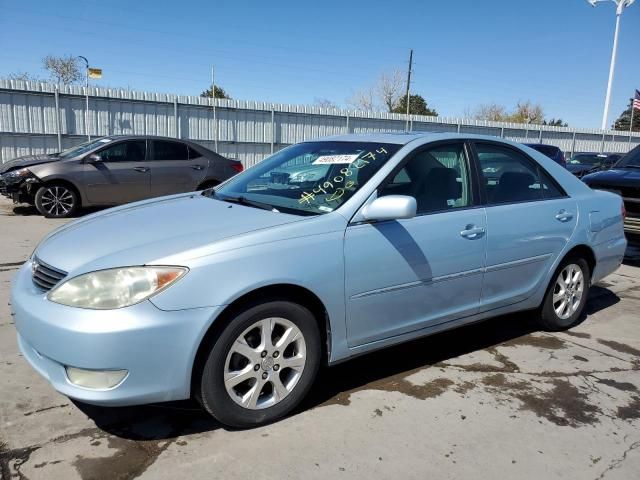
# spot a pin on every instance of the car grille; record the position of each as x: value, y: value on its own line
x: 45, y: 276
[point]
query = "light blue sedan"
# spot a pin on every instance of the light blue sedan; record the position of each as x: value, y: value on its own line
x: 237, y: 295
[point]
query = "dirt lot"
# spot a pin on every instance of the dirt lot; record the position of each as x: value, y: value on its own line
x: 495, y: 400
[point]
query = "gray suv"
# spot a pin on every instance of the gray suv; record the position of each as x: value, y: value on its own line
x: 112, y: 171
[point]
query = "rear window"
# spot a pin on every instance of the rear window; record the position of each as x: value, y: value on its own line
x: 547, y: 150
x: 165, y: 150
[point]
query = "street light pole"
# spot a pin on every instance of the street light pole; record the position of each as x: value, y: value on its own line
x: 620, y: 6
x: 86, y: 91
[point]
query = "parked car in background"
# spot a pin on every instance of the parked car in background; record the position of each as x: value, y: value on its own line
x: 580, y: 164
x: 237, y: 295
x: 624, y: 180
x: 554, y: 153
x: 112, y: 171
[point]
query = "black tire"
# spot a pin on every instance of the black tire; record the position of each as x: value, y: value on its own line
x: 212, y: 392
x: 549, y: 318
x: 56, y: 200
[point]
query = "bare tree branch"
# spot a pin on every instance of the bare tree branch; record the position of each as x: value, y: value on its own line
x: 389, y: 89
x: 64, y: 70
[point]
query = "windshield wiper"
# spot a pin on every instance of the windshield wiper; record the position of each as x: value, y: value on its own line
x: 628, y: 166
x: 244, y: 201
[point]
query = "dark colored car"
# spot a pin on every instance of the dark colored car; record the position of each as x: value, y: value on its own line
x: 112, y: 171
x: 581, y: 164
x: 623, y: 179
x: 554, y: 153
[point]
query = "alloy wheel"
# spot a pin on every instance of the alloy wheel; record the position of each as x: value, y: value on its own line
x: 265, y: 363
x: 57, y: 200
x: 568, y: 291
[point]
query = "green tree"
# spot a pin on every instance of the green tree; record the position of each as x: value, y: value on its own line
x: 555, y: 122
x: 219, y: 92
x: 417, y: 106
x: 64, y: 70
x: 622, y: 122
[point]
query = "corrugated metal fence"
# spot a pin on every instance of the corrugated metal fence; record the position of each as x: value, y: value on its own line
x: 43, y: 118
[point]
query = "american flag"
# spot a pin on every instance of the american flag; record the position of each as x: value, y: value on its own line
x: 636, y: 100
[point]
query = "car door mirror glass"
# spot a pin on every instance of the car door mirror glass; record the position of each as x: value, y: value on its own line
x: 94, y: 158
x: 390, y: 207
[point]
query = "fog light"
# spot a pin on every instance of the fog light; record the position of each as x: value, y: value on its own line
x: 95, y: 379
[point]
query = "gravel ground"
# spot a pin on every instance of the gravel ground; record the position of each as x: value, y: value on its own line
x: 494, y: 400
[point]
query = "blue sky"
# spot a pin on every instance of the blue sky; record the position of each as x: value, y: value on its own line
x: 466, y: 52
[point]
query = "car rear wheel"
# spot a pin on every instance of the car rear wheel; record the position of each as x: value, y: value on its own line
x: 262, y: 364
x: 56, y: 201
x: 567, y: 295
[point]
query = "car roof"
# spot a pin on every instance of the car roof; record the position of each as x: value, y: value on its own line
x: 403, y: 138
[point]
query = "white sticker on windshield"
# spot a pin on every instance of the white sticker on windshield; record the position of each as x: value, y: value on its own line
x: 334, y: 159
x: 325, y: 209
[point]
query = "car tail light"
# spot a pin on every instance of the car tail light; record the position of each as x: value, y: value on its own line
x: 623, y: 211
x: 237, y: 166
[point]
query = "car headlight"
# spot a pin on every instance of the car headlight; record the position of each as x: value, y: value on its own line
x: 20, y: 173
x: 115, y: 288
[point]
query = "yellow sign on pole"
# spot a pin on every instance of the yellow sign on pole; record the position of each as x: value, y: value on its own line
x: 95, y: 73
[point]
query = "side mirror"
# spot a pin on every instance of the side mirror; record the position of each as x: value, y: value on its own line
x: 390, y: 207
x: 93, y: 158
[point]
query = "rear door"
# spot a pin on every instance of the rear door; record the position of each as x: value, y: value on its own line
x: 175, y: 168
x: 529, y: 222
x: 122, y: 175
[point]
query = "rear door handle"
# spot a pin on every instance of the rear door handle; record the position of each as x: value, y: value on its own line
x: 472, y: 232
x: 564, y: 216
x: 141, y: 169
x: 197, y: 167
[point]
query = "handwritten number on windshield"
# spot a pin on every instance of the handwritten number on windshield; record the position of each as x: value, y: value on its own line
x: 361, y: 162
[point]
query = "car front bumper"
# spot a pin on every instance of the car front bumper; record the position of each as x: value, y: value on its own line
x: 156, y: 347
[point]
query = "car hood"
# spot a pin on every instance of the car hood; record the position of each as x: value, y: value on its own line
x: 144, y: 232
x: 26, y: 161
x: 621, y: 177
x: 580, y: 168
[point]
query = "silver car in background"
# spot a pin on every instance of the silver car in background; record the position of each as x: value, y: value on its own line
x: 112, y: 171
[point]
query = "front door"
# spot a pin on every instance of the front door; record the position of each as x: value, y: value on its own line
x: 122, y: 175
x: 406, y: 275
x: 530, y: 220
x: 175, y: 168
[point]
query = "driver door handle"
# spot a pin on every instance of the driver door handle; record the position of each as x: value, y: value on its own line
x: 472, y: 232
x: 197, y: 167
x: 564, y: 216
x: 141, y: 169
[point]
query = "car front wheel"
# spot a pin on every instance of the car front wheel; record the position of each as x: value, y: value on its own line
x: 56, y: 201
x: 566, y: 297
x: 262, y: 364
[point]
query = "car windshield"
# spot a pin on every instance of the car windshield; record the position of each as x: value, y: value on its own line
x: 630, y: 160
x: 587, y: 159
x: 308, y: 178
x: 83, y: 148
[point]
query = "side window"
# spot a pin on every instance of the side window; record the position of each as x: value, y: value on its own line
x: 164, y: 150
x: 131, y: 151
x: 549, y: 187
x: 193, y: 153
x: 437, y: 178
x: 508, y: 175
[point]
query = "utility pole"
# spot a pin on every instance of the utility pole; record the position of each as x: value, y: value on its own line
x: 620, y: 6
x: 215, y: 120
x: 86, y: 87
x: 409, y: 86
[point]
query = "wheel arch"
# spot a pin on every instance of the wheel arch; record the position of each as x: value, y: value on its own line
x: 66, y: 183
x: 282, y: 291
x: 586, y: 252
x: 208, y: 183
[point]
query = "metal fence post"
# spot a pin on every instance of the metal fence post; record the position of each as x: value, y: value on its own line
x: 573, y: 144
x: 215, y: 126
x: 273, y: 129
x: 56, y: 96
x: 348, y: 128
x: 602, y: 144
x: 501, y: 132
x: 458, y: 128
x: 175, y: 117
x: 540, y: 136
